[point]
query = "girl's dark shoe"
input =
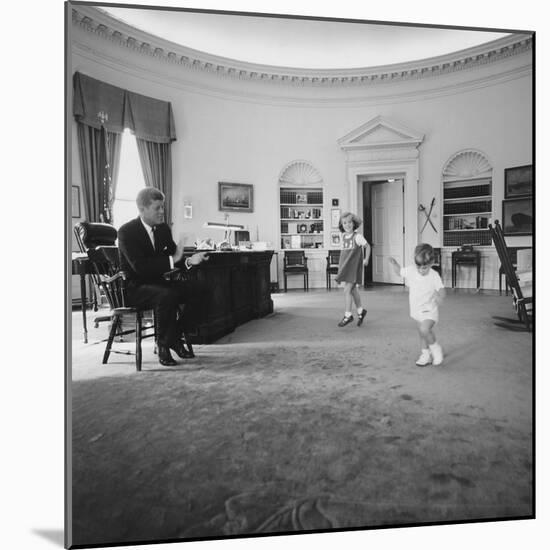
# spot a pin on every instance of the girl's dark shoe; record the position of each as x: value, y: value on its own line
x: 361, y: 316
x: 345, y: 321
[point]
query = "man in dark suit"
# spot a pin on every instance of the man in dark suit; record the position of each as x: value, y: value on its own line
x: 147, y: 251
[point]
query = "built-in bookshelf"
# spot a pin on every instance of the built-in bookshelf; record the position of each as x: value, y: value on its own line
x: 301, y: 218
x: 467, y: 209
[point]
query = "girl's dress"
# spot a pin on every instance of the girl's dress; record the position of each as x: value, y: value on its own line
x: 350, y: 268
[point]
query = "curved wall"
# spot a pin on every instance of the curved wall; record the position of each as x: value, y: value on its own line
x: 247, y: 130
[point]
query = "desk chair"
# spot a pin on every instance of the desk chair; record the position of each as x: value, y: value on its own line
x: 88, y: 237
x: 112, y: 283
x: 333, y: 260
x: 295, y: 263
x: 521, y: 284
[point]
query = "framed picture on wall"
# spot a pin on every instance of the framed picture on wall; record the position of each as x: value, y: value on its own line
x: 517, y: 216
x: 518, y: 181
x: 76, y: 201
x: 335, y: 217
x: 235, y: 197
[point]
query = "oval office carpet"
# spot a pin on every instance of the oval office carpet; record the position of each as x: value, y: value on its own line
x: 291, y: 423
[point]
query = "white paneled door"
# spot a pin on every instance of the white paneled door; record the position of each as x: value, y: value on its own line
x: 387, y: 230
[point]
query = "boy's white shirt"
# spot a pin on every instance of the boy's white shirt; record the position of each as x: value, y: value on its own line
x: 421, y: 288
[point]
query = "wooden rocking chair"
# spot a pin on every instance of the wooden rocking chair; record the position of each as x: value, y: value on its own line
x: 520, y: 283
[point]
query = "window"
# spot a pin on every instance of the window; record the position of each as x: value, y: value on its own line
x: 130, y: 181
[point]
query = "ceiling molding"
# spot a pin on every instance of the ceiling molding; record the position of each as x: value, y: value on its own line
x: 95, y: 21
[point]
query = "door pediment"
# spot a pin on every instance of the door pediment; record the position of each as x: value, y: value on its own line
x: 380, y: 132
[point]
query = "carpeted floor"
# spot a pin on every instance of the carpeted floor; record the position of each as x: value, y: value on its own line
x: 291, y: 423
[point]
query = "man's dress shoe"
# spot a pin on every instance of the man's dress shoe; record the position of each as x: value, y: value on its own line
x: 165, y: 358
x: 182, y: 351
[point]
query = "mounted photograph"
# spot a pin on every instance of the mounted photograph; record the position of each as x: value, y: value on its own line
x: 299, y: 275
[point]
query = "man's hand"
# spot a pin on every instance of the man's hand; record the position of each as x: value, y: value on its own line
x: 178, y: 254
x: 198, y: 258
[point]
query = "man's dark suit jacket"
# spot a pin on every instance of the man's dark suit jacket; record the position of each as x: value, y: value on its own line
x: 138, y: 258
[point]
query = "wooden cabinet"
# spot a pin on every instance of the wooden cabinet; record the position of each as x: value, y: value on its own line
x: 301, y: 218
x: 467, y: 209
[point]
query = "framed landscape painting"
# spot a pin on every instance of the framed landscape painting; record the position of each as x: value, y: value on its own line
x: 235, y: 197
x: 518, y: 181
x: 517, y: 216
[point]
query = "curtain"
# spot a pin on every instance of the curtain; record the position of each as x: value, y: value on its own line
x: 147, y: 118
x: 150, y: 120
x: 92, y: 168
x: 156, y: 163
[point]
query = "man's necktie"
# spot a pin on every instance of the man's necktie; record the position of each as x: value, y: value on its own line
x: 155, y: 240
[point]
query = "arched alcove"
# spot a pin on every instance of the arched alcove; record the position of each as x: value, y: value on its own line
x: 467, y: 198
x: 301, y: 202
x: 300, y: 173
x: 468, y: 163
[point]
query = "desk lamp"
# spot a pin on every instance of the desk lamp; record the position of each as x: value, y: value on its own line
x: 227, y: 227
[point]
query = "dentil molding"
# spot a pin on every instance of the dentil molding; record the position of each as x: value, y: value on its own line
x: 100, y: 23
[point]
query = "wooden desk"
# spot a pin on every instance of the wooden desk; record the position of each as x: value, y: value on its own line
x: 239, y: 290
x: 463, y: 257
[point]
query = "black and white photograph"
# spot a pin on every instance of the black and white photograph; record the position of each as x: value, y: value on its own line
x: 518, y: 181
x: 517, y: 216
x: 215, y: 391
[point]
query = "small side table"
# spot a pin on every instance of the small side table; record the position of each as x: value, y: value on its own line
x: 466, y: 257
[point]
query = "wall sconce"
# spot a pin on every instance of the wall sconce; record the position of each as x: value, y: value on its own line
x: 187, y: 210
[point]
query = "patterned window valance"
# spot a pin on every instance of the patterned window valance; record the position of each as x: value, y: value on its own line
x: 148, y: 118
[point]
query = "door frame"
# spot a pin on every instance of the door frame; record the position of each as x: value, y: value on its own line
x: 378, y: 148
x: 405, y: 170
x: 367, y: 181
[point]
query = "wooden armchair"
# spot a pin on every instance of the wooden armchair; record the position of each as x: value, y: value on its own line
x: 295, y: 263
x: 520, y: 283
x: 112, y: 283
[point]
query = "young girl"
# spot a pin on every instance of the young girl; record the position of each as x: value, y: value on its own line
x: 350, y: 268
x: 426, y: 292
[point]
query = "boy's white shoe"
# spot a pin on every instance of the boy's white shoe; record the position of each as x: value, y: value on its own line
x: 437, y: 354
x: 424, y: 359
